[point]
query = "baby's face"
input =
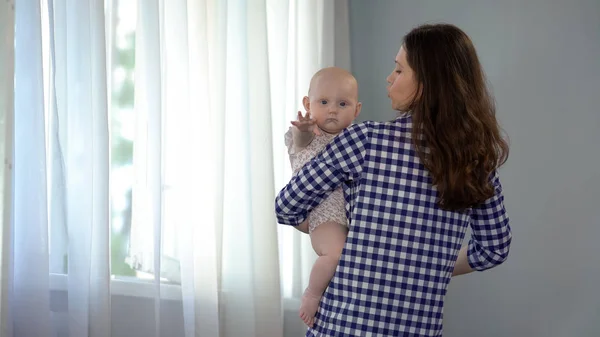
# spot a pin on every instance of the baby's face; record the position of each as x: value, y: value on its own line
x: 334, y: 103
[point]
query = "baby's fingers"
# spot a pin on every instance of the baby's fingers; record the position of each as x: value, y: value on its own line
x: 305, y: 117
x: 303, y: 123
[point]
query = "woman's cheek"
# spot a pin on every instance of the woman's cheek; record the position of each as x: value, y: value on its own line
x: 397, y: 84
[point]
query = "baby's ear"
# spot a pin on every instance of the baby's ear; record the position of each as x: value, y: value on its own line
x: 358, y: 108
x: 306, y: 103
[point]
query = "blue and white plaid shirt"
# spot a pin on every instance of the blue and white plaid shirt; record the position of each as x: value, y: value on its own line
x: 401, y: 248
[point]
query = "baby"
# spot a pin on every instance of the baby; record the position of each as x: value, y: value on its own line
x: 331, y: 106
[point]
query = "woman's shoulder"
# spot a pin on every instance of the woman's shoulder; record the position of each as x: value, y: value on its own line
x: 401, y: 124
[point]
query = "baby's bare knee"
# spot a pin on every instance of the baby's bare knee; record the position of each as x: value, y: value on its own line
x: 328, y: 240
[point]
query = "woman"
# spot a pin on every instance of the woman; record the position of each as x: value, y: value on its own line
x: 413, y: 186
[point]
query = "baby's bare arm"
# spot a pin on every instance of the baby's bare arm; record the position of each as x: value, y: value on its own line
x: 302, y: 138
x: 304, y: 131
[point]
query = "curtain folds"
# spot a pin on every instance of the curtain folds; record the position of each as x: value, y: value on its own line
x: 215, y: 84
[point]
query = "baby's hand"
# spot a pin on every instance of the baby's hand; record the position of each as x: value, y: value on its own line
x: 306, y: 124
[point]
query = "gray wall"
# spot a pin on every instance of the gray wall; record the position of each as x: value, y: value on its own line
x: 130, y: 317
x: 543, y: 61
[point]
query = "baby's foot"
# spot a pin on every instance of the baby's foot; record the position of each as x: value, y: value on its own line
x: 308, y: 308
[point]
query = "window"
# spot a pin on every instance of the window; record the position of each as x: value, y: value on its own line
x: 181, y: 90
x: 122, y: 129
x: 121, y: 20
x: 126, y: 262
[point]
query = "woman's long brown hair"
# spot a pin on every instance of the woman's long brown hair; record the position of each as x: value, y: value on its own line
x: 455, y: 130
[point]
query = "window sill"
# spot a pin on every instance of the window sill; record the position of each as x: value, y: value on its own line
x: 126, y: 286
x: 135, y: 287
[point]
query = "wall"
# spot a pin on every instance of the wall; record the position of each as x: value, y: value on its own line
x: 130, y: 316
x: 543, y: 61
x: 133, y: 316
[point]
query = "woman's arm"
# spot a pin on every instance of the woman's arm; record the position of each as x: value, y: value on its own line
x: 462, y: 263
x: 340, y: 161
x: 303, y: 227
x: 490, y: 235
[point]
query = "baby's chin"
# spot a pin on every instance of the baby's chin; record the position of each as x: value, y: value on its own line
x: 333, y: 129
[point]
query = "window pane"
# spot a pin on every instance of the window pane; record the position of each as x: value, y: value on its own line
x: 124, y: 261
x: 122, y: 119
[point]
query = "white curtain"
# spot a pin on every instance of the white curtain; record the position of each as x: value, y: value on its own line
x: 30, y: 297
x: 7, y: 21
x: 61, y: 165
x: 79, y: 157
x: 307, y: 36
x: 203, y: 164
x: 216, y: 84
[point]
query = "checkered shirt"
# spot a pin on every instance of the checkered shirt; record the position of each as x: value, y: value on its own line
x: 392, y: 277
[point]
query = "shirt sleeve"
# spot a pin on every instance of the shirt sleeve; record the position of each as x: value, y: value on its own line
x: 490, y: 231
x: 341, y: 160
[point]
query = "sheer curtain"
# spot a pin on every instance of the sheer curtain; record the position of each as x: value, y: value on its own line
x: 306, y: 36
x: 233, y: 75
x: 61, y: 165
x: 203, y: 164
x: 214, y: 85
x: 79, y: 157
x: 7, y: 20
x: 29, y: 281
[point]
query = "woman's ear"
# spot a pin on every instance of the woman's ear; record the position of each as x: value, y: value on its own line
x: 306, y: 103
x: 358, y: 108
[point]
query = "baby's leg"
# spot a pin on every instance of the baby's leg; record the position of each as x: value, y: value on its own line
x: 328, y: 240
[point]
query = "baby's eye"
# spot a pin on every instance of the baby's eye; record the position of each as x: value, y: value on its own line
x: 343, y: 104
x: 324, y: 101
